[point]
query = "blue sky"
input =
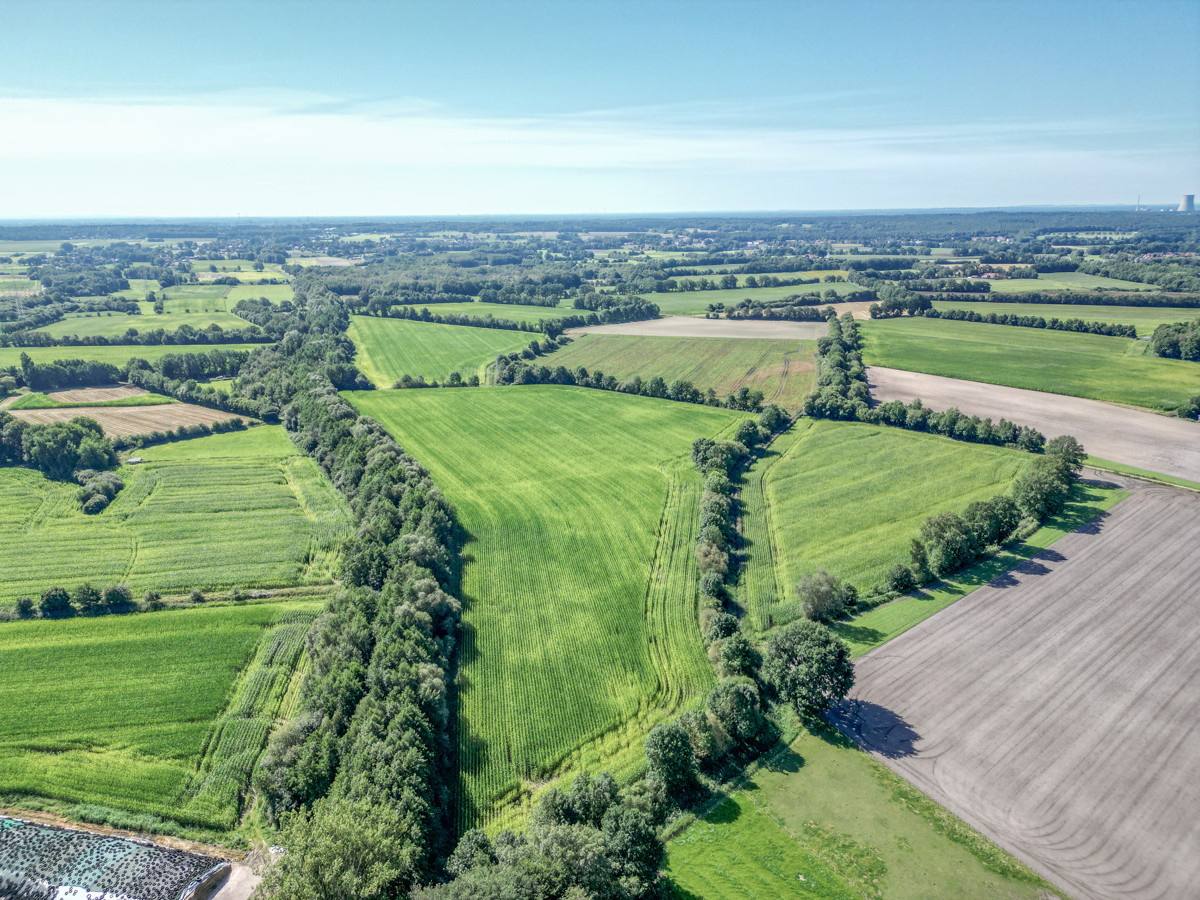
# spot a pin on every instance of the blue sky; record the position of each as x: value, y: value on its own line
x: 203, y: 109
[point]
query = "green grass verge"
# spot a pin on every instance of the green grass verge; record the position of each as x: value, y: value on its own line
x: 38, y: 400
x: 125, y: 712
x: 243, y: 508
x: 580, y: 582
x: 116, y: 355
x: 1114, y: 369
x: 1122, y: 469
x: 849, y: 498
x: 881, y: 624
x: 1145, y: 319
x: 782, y: 370
x: 822, y: 808
x: 389, y: 348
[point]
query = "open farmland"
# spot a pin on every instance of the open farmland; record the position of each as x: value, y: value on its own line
x: 1166, y: 445
x: 160, y: 714
x: 1118, y: 370
x: 1065, y: 281
x: 115, y: 325
x: 129, y: 421
x: 1053, y: 713
x: 688, y: 303
x: 1144, y: 318
x: 276, y: 293
x: 389, y: 348
x: 822, y: 809
x: 849, y: 498
x: 694, y: 326
x: 242, y: 508
x: 118, y: 356
x: 782, y: 370
x: 514, y: 312
x: 580, y: 589
x: 104, y: 396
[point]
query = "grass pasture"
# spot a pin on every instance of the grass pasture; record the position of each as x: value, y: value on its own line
x: 242, y: 508
x: 580, y: 585
x: 691, y: 303
x: 513, y: 312
x: 1066, y: 281
x: 1118, y: 370
x: 849, y: 498
x: 1144, y: 318
x: 389, y: 348
x: 38, y: 400
x: 276, y: 293
x: 821, y: 809
x: 782, y: 370
x: 114, y: 325
x: 159, y: 714
x: 118, y: 355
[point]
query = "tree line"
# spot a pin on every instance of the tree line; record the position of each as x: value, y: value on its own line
x: 1112, y: 329
x: 1178, y: 340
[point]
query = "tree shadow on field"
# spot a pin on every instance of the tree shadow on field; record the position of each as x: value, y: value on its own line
x: 1035, y: 565
x: 863, y: 635
x: 875, y: 728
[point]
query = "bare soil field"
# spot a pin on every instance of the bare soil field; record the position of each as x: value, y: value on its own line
x: 694, y: 326
x: 1141, y: 439
x: 1055, y: 709
x: 125, y: 421
x: 95, y: 394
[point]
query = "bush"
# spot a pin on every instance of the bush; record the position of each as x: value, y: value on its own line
x: 25, y: 607
x: 116, y: 596
x: 711, y: 585
x: 737, y: 656
x: 736, y: 706
x: 55, y: 601
x: 238, y: 594
x: 196, y: 596
x: 719, y: 627
x: 825, y: 597
x: 86, y: 599
x: 899, y: 579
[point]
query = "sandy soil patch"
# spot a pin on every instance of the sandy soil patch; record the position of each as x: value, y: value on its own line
x: 1137, y: 438
x: 126, y: 421
x: 1055, y: 708
x: 692, y: 326
x: 96, y: 394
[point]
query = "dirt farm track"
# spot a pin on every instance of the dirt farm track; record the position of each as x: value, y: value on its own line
x: 1055, y: 709
x: 1135, y: 437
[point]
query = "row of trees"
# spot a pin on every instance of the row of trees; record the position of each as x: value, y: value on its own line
x: 1143, y: 299
x: 842, y: 393
x: 85, y: 600
x: 1112, y: 329
x: 63, y: 373
x: 1179, y: 340
x: 512, y: 369
x: 56, y: 449
x: 155, y: 337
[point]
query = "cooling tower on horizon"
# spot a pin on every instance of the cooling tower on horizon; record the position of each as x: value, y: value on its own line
x: 1188, y: 204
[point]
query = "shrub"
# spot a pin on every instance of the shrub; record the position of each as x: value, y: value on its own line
x: 86, y: 599
x: 899, y: 579
x: 669, y: 758
x: 25, y: 607
x: 737, y: 656
x: 116, y: 596
x: 711, y: 585
x: 55, y: 601
x: 196, y: 596
x: 719, y: 627
x: 736, y: 706
x: 825, y: 597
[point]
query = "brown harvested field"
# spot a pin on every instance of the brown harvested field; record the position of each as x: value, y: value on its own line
x: 1057, y: 709
x: 96, y: 394
x: 126, y: 421
x: 1134, y: 437
x: 694, y: 326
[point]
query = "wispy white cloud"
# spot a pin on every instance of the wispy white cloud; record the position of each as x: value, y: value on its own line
x: 270, y: 152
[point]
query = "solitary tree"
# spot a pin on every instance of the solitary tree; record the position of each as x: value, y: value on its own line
x: 669, y: 757
x: 808, y: 667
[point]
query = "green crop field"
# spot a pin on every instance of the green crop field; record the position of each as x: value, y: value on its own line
x: 118, y: 355
x: 580, y: 590
x: 243, y: 508
x: 1145, y: 319
x: 821, y: 819
x: 1084, y: 365
x: 512, y: 311
x: 782, y: 370
x: 1066, y: 281
x: 154, y: 713
x: 276, y: 293
x: 849, y: 498
x: 38, y: 400
x: 113, y: 324
x: 690, y: 303
x: 389, y: 348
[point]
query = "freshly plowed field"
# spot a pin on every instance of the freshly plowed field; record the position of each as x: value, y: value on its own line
x: 125, y: 421
x: 1055, y: 709
x: 95, y: 395
x: 1163, y: 444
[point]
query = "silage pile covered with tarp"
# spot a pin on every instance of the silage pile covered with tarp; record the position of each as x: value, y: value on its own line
x: 39, y: 862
